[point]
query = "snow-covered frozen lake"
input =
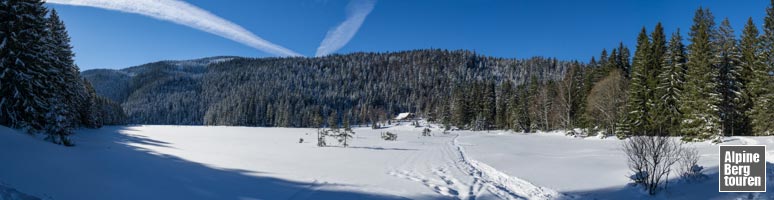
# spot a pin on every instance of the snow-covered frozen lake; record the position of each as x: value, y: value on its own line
x: 200, y: 162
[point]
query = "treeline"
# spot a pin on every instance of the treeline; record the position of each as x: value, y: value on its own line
x: 40, y: 86
x: 716, y: 86
x: 586, y: 96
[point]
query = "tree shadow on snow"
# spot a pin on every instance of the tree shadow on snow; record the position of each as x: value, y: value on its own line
x: 679, y: 189
x: 381, y: 148
x: 128, y: 138
x: 125, y: 171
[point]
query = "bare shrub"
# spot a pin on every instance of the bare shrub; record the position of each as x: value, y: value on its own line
x: 426, y: 132
x: 321, y: 134
x: 650, y: 159
x: 689, y: 168
x: 389, y: 136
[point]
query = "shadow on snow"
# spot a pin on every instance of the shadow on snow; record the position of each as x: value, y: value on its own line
x: 680, y: 189
x: 124, y: 171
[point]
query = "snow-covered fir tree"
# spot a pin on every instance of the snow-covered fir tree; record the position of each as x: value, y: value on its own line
x: 749, y: 62
x: 700, y: 99
x: 655, y: 58
x: 671, y: 80
x: 637, y: 108
x: 729, y: 86
x: 40, y: 86
x: 25, y: 69
x: 762, y: 85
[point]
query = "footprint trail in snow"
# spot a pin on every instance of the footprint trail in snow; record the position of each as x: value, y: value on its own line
x: 465, y: 178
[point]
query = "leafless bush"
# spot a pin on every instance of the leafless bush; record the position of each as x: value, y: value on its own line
x: 389, y: 136
x: 341, y: 135
x: 650, y: 159
x: 426, y: 132
x: 689, y: 168
x: 321, y: 134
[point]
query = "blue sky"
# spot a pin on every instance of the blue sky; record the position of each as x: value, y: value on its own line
x: 514, y: 29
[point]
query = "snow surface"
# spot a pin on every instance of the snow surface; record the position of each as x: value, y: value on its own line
x: 200, y: 162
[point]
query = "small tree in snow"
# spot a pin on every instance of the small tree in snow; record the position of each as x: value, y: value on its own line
x: 416, y: 124
x: 321, y: 134
x: 426, y: 132
x: 344, y: 136
x: 59, y: 127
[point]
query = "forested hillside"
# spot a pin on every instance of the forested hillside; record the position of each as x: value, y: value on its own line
x: 293, y: 92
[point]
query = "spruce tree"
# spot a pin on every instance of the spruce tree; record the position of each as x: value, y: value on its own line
x: 504, y: 98
x: 671, y: 80
x: 88, y: 107
x: 460, y: 106
x: 655, y: 107
x: 623, y: 59
x: 700, y: 100
x: 612, y: 60
x: 71, y: 92
x: 77, y: 96
x: 524, y: 100
x: 25, y: 70
x: 763, y: 103
x: 729, y: 86
x: 345, y: 123
x: 333, y: 120
x: 749, y: 62
x: 637, y: 105
x: 658, y: 49
x: 580, y: 92
x: 488, y: 104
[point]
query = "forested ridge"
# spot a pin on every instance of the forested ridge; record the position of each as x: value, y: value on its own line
x: 291, y: 92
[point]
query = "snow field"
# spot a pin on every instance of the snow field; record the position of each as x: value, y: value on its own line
x: 200, y: 162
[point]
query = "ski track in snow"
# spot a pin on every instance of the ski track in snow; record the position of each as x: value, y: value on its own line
x: 474, y: 178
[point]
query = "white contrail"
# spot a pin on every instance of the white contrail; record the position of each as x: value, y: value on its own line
x: 357, y: 11
x: 188, y: 15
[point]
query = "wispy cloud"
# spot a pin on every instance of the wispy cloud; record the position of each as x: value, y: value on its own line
x: 357, y: 11
x: 185, y: 14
